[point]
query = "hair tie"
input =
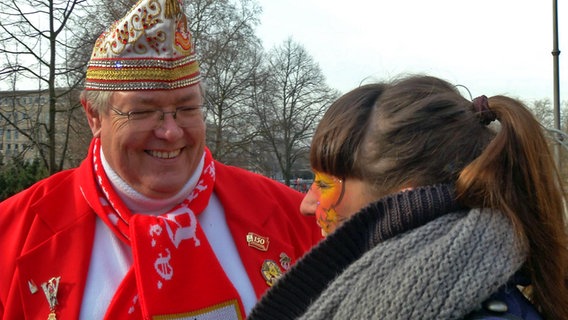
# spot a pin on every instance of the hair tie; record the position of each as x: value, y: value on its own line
x: 481, y: 107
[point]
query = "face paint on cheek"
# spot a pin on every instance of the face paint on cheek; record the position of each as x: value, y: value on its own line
x: 326, y: 219
x: 328, y: 192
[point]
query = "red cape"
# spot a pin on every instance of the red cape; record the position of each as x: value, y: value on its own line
x: 47, y: 231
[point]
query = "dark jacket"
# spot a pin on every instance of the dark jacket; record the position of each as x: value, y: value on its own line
x: 507, y: 303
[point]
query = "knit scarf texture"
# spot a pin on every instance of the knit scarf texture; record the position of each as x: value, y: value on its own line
x: 413, y: 255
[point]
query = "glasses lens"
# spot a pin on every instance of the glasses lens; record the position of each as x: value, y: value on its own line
x: 151, y: 119
x: 144, y: 115
x: 187, y: 117
x: 144, y: 120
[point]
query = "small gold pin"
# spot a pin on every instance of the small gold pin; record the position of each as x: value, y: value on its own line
x: 32, y: 286
x: 50, y: 289
x: 271, y: 272
x: 257, y: 241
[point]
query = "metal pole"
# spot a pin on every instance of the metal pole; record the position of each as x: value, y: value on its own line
x: 555, y: 56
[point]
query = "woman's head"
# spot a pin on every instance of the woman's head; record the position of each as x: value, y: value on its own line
x: 338, y: 190
x: 409, y: 132
x: 387, y: 137
x: 419, y: 130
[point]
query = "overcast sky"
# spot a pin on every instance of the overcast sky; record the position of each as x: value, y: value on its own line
x: 490, y: 46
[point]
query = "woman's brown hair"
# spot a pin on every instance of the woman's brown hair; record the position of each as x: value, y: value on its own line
x: 339, y: 133
x: 422, y: 131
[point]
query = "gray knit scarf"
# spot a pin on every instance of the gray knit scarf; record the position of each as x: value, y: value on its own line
x: 413, y: 255
x: 442, y: 270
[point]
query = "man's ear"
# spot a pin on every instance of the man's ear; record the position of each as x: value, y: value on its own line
x: 93, y: 118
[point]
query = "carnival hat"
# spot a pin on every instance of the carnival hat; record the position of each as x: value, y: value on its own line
x: 151, y: 48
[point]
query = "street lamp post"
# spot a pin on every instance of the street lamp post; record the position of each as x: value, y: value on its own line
x: 555, y: 57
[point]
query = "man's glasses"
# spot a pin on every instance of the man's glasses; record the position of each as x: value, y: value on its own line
x: 151, y: 119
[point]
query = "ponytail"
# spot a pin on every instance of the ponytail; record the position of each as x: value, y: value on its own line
x: 517, y: 175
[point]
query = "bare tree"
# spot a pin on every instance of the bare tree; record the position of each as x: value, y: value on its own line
x: 543, y: 111
x: 35, y: 39
x: 288, y: 103
x: 229, y: 54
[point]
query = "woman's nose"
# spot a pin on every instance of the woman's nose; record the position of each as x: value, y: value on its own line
x: 309, y: 204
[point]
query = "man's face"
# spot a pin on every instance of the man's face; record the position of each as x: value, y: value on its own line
x: 155, y: 158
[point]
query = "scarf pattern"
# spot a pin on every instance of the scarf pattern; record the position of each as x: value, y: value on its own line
x: 170, y: 252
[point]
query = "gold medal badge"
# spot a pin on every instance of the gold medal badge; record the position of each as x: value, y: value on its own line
x: 271, y: 272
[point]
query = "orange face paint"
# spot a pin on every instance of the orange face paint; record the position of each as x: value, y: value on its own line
x: 329, y: 191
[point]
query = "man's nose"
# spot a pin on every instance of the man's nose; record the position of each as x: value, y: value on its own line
x: 169, y: 128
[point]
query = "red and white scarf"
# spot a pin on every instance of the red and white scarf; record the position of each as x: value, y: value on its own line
x: 175, y: 273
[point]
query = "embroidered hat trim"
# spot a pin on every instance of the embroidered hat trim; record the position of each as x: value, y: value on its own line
x: 138, y: 74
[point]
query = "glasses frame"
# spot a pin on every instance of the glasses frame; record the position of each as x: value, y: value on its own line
x: 129, y: 114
